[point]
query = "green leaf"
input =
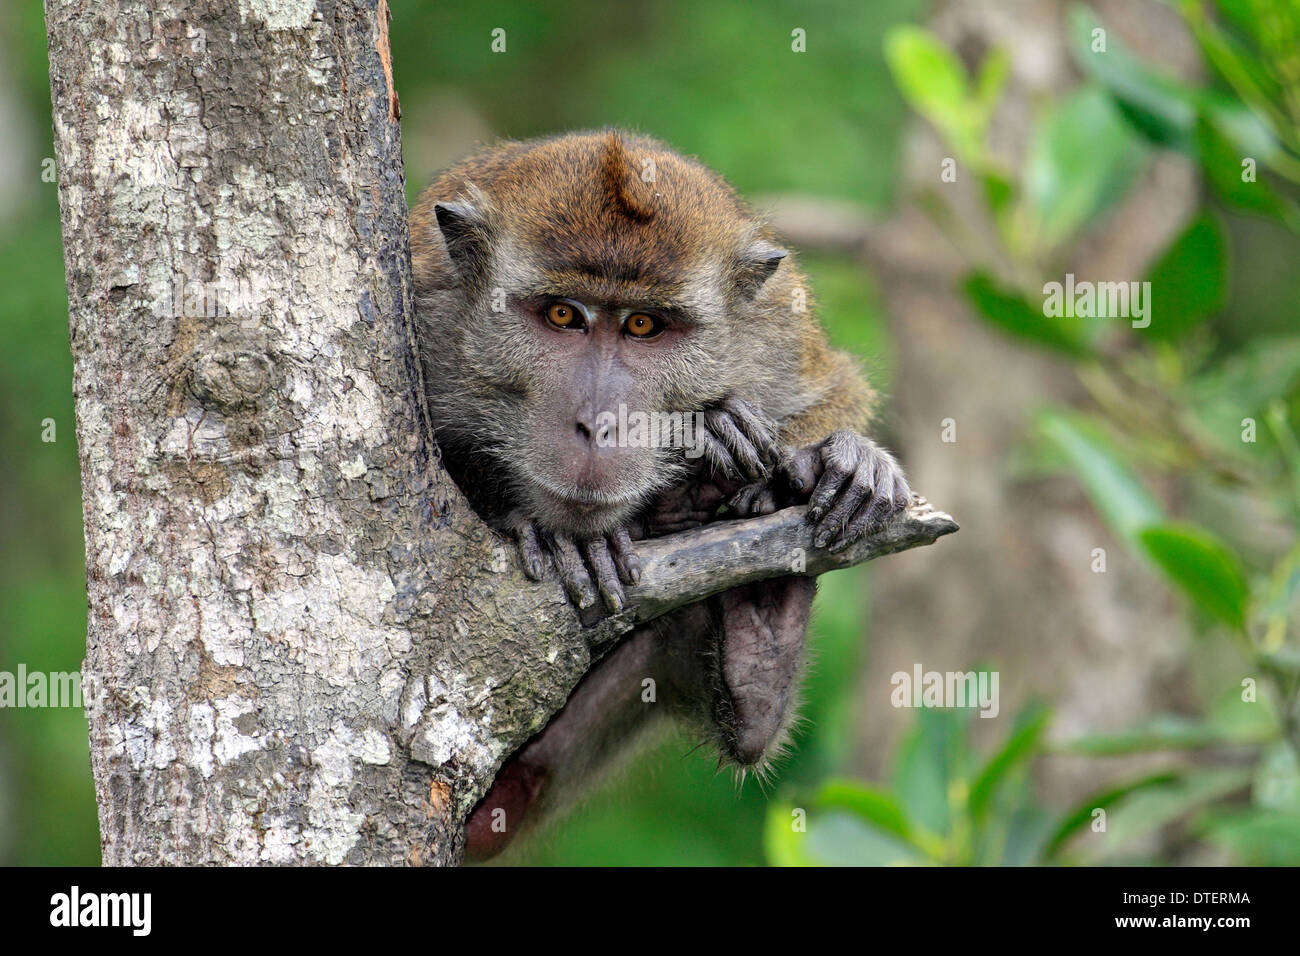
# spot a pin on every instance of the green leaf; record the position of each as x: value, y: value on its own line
x: 992, y: 80
x: 1189, y: 282
x: 1238, y: 720
x: 1082, y: 814
x: 1115, y: 491
x: 782, y: 844
x: 1153, y: 807
x: 1028, y: 831
x: 1164, y: 732
x: 835, y: 836
x: 1242, y: 386
x: 934, y: 83
x: 1257, y: 836
x: 1080, y: 160
x: 840, y: 838
x: 874, y: 806
x: 1016, y: 317
x: 1224, y: 140
x: 927, y: 768
x: 1277, y: 780
x: 1160, y: 107
x: 1019, y: 747
x: 999, y: 192
x: 1206, y: 570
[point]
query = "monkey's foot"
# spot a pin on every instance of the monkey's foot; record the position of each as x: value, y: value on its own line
x: 738, y: 441
x: 589, y: 569
x: 856, y: 487
x: 757, y: 498
x: 760, y: 653
x: 503, y: 812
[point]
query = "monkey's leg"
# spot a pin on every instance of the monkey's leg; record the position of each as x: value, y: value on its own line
x: 610, y: 712
x: 754, y: 668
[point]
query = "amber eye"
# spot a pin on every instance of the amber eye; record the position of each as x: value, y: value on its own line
x: 563, y: 315
x: 643, y: 326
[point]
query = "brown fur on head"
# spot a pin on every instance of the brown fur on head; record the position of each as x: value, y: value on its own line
x: 614, y: 223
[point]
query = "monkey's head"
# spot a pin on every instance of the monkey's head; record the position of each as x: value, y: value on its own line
x: 572, y: 289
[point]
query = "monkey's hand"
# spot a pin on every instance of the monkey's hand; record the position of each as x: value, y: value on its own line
x: 855, y: 486
x: 740, y: 448
x: 589, y: 568
x: 738, y: 441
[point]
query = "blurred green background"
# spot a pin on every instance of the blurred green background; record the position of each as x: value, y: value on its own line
x: 719, y: 80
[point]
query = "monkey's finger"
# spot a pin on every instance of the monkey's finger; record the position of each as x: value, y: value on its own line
x: 862, y: 522
x: 573, y: 573
x: 625, y: 559
x: 839, y: 455
x: 716, y: 454
x: 857, y: 490
x: 530, y: 549
x: 761, y: 432
x: 891, y: 496
x: 799, y: 467
x: 742, y: 449
x: 869, y: 517
x: 607, y: 582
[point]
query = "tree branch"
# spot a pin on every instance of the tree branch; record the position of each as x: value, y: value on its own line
x: 683, y: 568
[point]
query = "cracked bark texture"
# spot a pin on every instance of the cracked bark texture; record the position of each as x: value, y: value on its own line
x: 302, y: 647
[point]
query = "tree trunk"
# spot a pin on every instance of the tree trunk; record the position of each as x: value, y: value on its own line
x: 303, y: 647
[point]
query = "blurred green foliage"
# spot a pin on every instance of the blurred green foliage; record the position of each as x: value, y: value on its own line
x: 1177, y: 401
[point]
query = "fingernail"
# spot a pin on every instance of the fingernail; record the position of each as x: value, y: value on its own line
x: 814, y: 513
x: 636, y: 574
x: 822, y: 538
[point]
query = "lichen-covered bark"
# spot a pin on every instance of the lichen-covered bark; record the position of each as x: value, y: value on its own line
x: 302, y: 645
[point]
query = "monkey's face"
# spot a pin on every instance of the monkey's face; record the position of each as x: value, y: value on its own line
x: 609, y: 419
x: 587, y: 298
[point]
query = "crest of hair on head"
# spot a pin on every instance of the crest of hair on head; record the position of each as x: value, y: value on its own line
x: 630, y: 195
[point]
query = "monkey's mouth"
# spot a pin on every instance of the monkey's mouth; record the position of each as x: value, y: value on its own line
x: 584, y: 499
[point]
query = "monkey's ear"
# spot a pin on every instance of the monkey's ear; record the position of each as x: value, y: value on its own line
x: 755, y: 266
x: 464, y: 229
